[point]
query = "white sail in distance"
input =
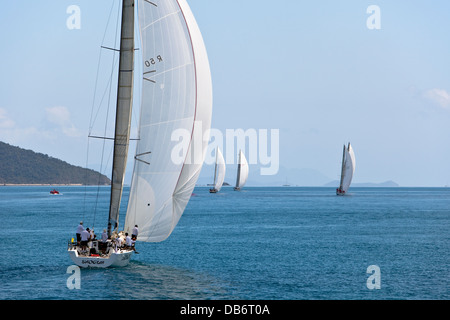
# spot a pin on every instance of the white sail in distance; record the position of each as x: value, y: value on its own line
x: 220, y: 169
x: 242, y: 174
x: 176, y: 94
x: 348, y: 168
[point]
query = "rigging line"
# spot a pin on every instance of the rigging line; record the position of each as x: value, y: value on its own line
x: 107, y: 113
x: 99, y: 59
x: 110, y: 49
x: 101, y: 102
x: 107, y: 138
x: 85, y: 180
x: 93, y: 104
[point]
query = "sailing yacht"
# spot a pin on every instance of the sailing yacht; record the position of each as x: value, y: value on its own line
x: 219, y: 172
x: 242, y: 173
x: 175, y: 93
x: 347, y: 170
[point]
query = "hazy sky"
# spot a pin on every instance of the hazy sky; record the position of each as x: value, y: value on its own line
x: 312, y: 69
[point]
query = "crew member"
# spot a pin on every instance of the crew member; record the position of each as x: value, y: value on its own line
x: 80, y: 229
x: 135, y: 232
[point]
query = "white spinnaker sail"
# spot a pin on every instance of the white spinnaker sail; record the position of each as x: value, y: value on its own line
x: 176, y: 97
x: 220, y: 171
x: 242, y: 171
x: 348, y: 168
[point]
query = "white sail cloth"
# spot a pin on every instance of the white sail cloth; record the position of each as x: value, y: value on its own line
x: 220, y: 171
x: 177, y: 94
x: 242, y: 171
x: 348, y: 168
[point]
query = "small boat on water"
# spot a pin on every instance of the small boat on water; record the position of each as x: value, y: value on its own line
x: 54, y: 191
x: 219, y: 172
x: 348, y: 168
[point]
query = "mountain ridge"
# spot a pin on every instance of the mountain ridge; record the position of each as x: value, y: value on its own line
x: 301, y: 177
x: 25, y: 167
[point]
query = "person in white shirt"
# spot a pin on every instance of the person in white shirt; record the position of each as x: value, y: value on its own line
x: 92, y: 235
x: 130, y: 242
x: 104, y: 236
x: 118, y: 243
x: 102, y: 244
x: 85, y: 236
x: 135, y: 232
x: 80, y: 229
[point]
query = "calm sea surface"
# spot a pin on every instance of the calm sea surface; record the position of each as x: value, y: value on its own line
x: 284, y: 243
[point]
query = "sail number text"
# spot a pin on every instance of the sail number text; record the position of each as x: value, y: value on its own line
x: 153, y: 61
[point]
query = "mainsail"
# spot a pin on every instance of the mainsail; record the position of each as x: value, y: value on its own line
x: 348, y: 168
x: 219, y: 171
x: 242, y: 174
x: 176, y: 95
x: 123, y: 112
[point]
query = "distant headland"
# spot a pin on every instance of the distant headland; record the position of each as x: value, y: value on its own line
x: 25, y: 167
x: 386, y: 184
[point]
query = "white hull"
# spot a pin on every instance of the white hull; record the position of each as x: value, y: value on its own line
x: 121, y: 258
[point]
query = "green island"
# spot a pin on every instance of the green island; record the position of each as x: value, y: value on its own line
x: 26, y: 167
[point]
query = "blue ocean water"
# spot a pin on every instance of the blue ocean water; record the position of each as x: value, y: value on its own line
x: 281, y: 243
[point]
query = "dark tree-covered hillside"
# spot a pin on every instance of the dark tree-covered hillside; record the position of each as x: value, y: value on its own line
x: 20, y: 166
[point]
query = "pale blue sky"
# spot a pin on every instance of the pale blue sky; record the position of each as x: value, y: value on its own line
x: 309, y: 68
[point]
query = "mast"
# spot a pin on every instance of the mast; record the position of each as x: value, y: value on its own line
x: 123, y: 112
x: 215, y: 168
x: 342, y: 168
x: 239, y: 170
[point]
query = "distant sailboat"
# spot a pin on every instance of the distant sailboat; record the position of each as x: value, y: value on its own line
x: 219, y: 172
x: 176, y: 93
x: 348, y: 168
x: 242, y: 173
